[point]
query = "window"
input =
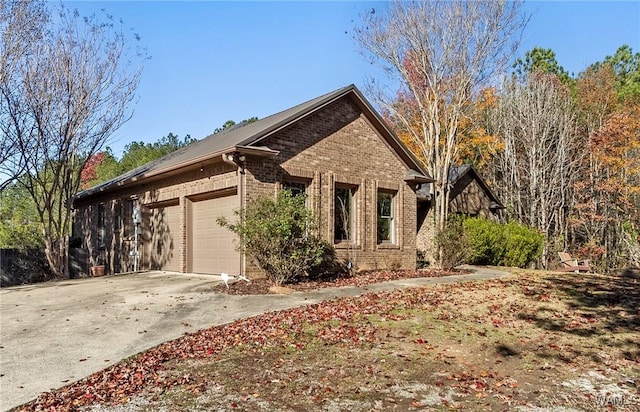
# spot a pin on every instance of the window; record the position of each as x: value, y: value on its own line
x: 131, y: 220
x: 126, y: 218
x: 385, y: 217
x: 343, y: 216
x: 117, y: 218
x: 101, y: 225
x: 296, y: 188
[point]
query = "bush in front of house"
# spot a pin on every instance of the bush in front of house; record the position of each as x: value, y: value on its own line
x: 523, y: 245
x: 486, y: 241
x: 504, y: 244
x: 453, y: 244
x: 281, y: 235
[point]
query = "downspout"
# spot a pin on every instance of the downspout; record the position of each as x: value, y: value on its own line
x: 137, y: 219
x: 238, y: 160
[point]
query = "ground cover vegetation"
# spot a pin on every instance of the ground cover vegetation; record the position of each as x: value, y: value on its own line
x: 527, y: 342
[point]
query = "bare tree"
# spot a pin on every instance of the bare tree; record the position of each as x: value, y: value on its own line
x: 21, y: 24
x: 542, y: 153
x: 65, y: 90
x: 439, y: 53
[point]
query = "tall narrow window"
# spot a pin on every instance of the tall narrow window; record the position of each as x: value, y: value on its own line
x: 386, y: 227
x: 117, y: 216
x: 343, y: 217
x: 129, y: 223
x: 102, y: 230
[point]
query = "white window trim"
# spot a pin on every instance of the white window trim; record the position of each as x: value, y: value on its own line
x: 393, y: 217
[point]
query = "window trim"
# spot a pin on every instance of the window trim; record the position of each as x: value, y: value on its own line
x: 392, y: 217
x: 352, y: 212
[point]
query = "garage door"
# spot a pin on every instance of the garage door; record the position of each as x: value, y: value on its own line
x: 212, y: 247
x: 162, y: 233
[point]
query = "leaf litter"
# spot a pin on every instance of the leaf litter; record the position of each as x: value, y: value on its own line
x: 535, y: 341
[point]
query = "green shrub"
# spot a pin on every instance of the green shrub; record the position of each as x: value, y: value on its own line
x: 453, y: 244
x: 280, y: 235
x: 523, y: 245
x: 499, y: 244
x: 486, y: 241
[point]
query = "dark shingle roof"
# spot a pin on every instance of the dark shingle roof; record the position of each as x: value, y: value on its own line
x: 456, y: 172
x: 454, y: 175
x: 247, y: 134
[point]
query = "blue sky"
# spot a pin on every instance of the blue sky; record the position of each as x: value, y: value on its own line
x: 215, y: 61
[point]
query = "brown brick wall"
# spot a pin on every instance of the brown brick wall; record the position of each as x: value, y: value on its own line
x: 119, y: 243
x: 334, y: 145
x: 426, y: 232
x: 338, y: 145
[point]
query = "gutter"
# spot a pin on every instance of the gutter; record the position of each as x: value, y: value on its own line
x: 243, y: 150
x: 246, y: 150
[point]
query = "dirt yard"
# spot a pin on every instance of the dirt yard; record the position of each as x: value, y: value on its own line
x: 532, y: 342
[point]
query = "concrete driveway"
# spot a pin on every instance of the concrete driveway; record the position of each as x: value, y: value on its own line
x: 56, y: 333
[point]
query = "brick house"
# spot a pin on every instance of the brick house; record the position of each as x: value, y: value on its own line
x: 469, y: 195
x: 335, y: 148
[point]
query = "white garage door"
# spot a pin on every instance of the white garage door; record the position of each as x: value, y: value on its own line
x: 212, y: 247
x: 162, y: 233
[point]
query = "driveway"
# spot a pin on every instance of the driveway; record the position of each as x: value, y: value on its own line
x: 56, y: 333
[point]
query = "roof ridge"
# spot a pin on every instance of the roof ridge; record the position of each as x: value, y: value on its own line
x: 221, y: 140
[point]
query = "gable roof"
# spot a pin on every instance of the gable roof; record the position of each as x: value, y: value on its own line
x: 455, y: 175
x: 248, y: 135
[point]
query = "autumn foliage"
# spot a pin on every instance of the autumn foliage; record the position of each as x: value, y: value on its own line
x: 606, y: 218
x: 440, y: 54
x: 89, y: 173
x: 561, y: 152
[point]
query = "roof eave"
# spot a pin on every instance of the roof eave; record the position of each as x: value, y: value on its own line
x: 246, y: 150
x: 248, y: 146
x: 414, y: 176
x: 258, y: 151
x: 487, y: 190
x: 409, y: 159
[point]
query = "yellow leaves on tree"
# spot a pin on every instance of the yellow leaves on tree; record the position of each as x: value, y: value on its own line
x: 475, y: 144
x: 407, y: 124
x: 616, y: 146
